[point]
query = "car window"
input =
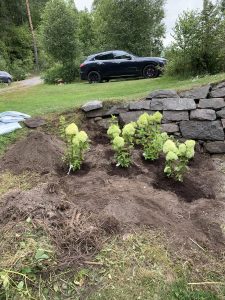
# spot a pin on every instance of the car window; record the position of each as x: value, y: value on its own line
x: 107, y: 56
x: 123, y: 56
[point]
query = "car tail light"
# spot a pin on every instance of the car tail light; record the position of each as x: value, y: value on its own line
x: 82, y: 65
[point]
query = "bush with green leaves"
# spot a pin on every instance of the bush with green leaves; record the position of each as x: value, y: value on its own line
x: 177, y: 157
x: 67, y: 73
x: 77, y: 145
x: 122, y: 143
x: 149, y: 135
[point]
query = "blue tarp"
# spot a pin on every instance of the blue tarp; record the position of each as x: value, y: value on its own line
x: 9, y: 121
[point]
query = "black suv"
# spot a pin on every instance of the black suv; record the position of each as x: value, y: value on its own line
x: 116, y: 64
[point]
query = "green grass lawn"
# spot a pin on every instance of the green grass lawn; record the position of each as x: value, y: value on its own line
x: 44, y: 99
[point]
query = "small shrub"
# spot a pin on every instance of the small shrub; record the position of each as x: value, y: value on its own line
x: 177, y: 158
x: 77, y: 145
x: 67, y: 73
x: 149, y: 135
x: 19, y: 70
x: 122, y: 143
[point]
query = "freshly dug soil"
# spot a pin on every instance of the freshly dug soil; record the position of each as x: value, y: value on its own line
x: 38, y: 152
x: 101, y: 199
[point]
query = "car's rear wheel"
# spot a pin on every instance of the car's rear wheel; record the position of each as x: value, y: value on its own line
x: 9, y: 81
x: 94, y: 77
x: 150, y: 71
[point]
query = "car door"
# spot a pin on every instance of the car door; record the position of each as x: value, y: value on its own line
x: 106, y: 64
x: 126, y: 64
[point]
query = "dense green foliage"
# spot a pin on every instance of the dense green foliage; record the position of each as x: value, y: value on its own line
x: 199, y: 45
x: 131, y: 25
x: 16, y: 51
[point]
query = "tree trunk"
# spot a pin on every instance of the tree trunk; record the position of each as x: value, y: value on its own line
x: 33, y: 35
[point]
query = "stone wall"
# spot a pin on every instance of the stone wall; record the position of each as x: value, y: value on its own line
x: 194, y: 114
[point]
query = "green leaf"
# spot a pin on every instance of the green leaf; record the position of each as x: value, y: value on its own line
x: 20, y: 285
x: 41, y: 255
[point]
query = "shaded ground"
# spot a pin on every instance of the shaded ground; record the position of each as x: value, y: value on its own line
x: 100, y: 199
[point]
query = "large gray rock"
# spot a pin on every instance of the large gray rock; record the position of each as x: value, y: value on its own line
x: 92, y: 105
x: 215, y: 103
x: 202, y: 130
x: 170, y: 128
x: 215, y: 147
x: 218, y: 93
x: 163, y: 94
x: 140, y: 105
x: 175, y: 115
x: 173, y: 104
x: 196, y: 93
x: 95, y: 113
x: 115, y: 111
x: 223, y: 122
x: 221, y: 113
x: 203, y: 114
x: 132, y: 116
x: 104, y: 123
x: 219, y: 86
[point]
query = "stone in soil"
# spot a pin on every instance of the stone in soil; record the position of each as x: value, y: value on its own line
x: 173, y: 104
x: 163, y: 94
x: 175, y: 115
x: 215, y: 103
x: 202, y: 130
x: 34, y: 122
x: 92, y: 105
x: 196, y: 93
x: 203, y: 114
x: 215, y: 147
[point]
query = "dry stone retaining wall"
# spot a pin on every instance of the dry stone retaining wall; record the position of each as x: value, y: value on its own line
x: 194, y: 114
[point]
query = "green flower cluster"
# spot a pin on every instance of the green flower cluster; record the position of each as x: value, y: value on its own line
x: 149, y: 135
x: 177, y: 158
x: 122, y: 143
x: 113, y: 131
x: 146, y: 119
x: 77, y: 144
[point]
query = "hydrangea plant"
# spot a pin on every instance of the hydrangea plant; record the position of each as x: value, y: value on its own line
x: 77, y: 145
x: 122, y: 143
x: 177, y: 158
x: 149, y: 135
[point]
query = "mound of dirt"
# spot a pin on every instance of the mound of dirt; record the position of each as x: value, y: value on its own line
x: 38, y: 152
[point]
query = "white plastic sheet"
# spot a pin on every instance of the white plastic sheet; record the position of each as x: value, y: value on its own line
x: 9, y: 127
x: 9, y: 121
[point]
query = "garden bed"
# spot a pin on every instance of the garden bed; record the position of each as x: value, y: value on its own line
x: 83, y: 209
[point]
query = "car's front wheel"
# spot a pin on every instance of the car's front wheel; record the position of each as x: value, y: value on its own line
x: 94, y: 77
x: 9, y: 81
x: 150, y: 71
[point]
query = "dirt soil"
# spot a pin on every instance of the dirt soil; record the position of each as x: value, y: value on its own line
x: 86, y: 207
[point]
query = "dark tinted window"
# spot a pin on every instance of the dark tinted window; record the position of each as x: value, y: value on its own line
x: 121, y: 55
x: 107, y: 56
